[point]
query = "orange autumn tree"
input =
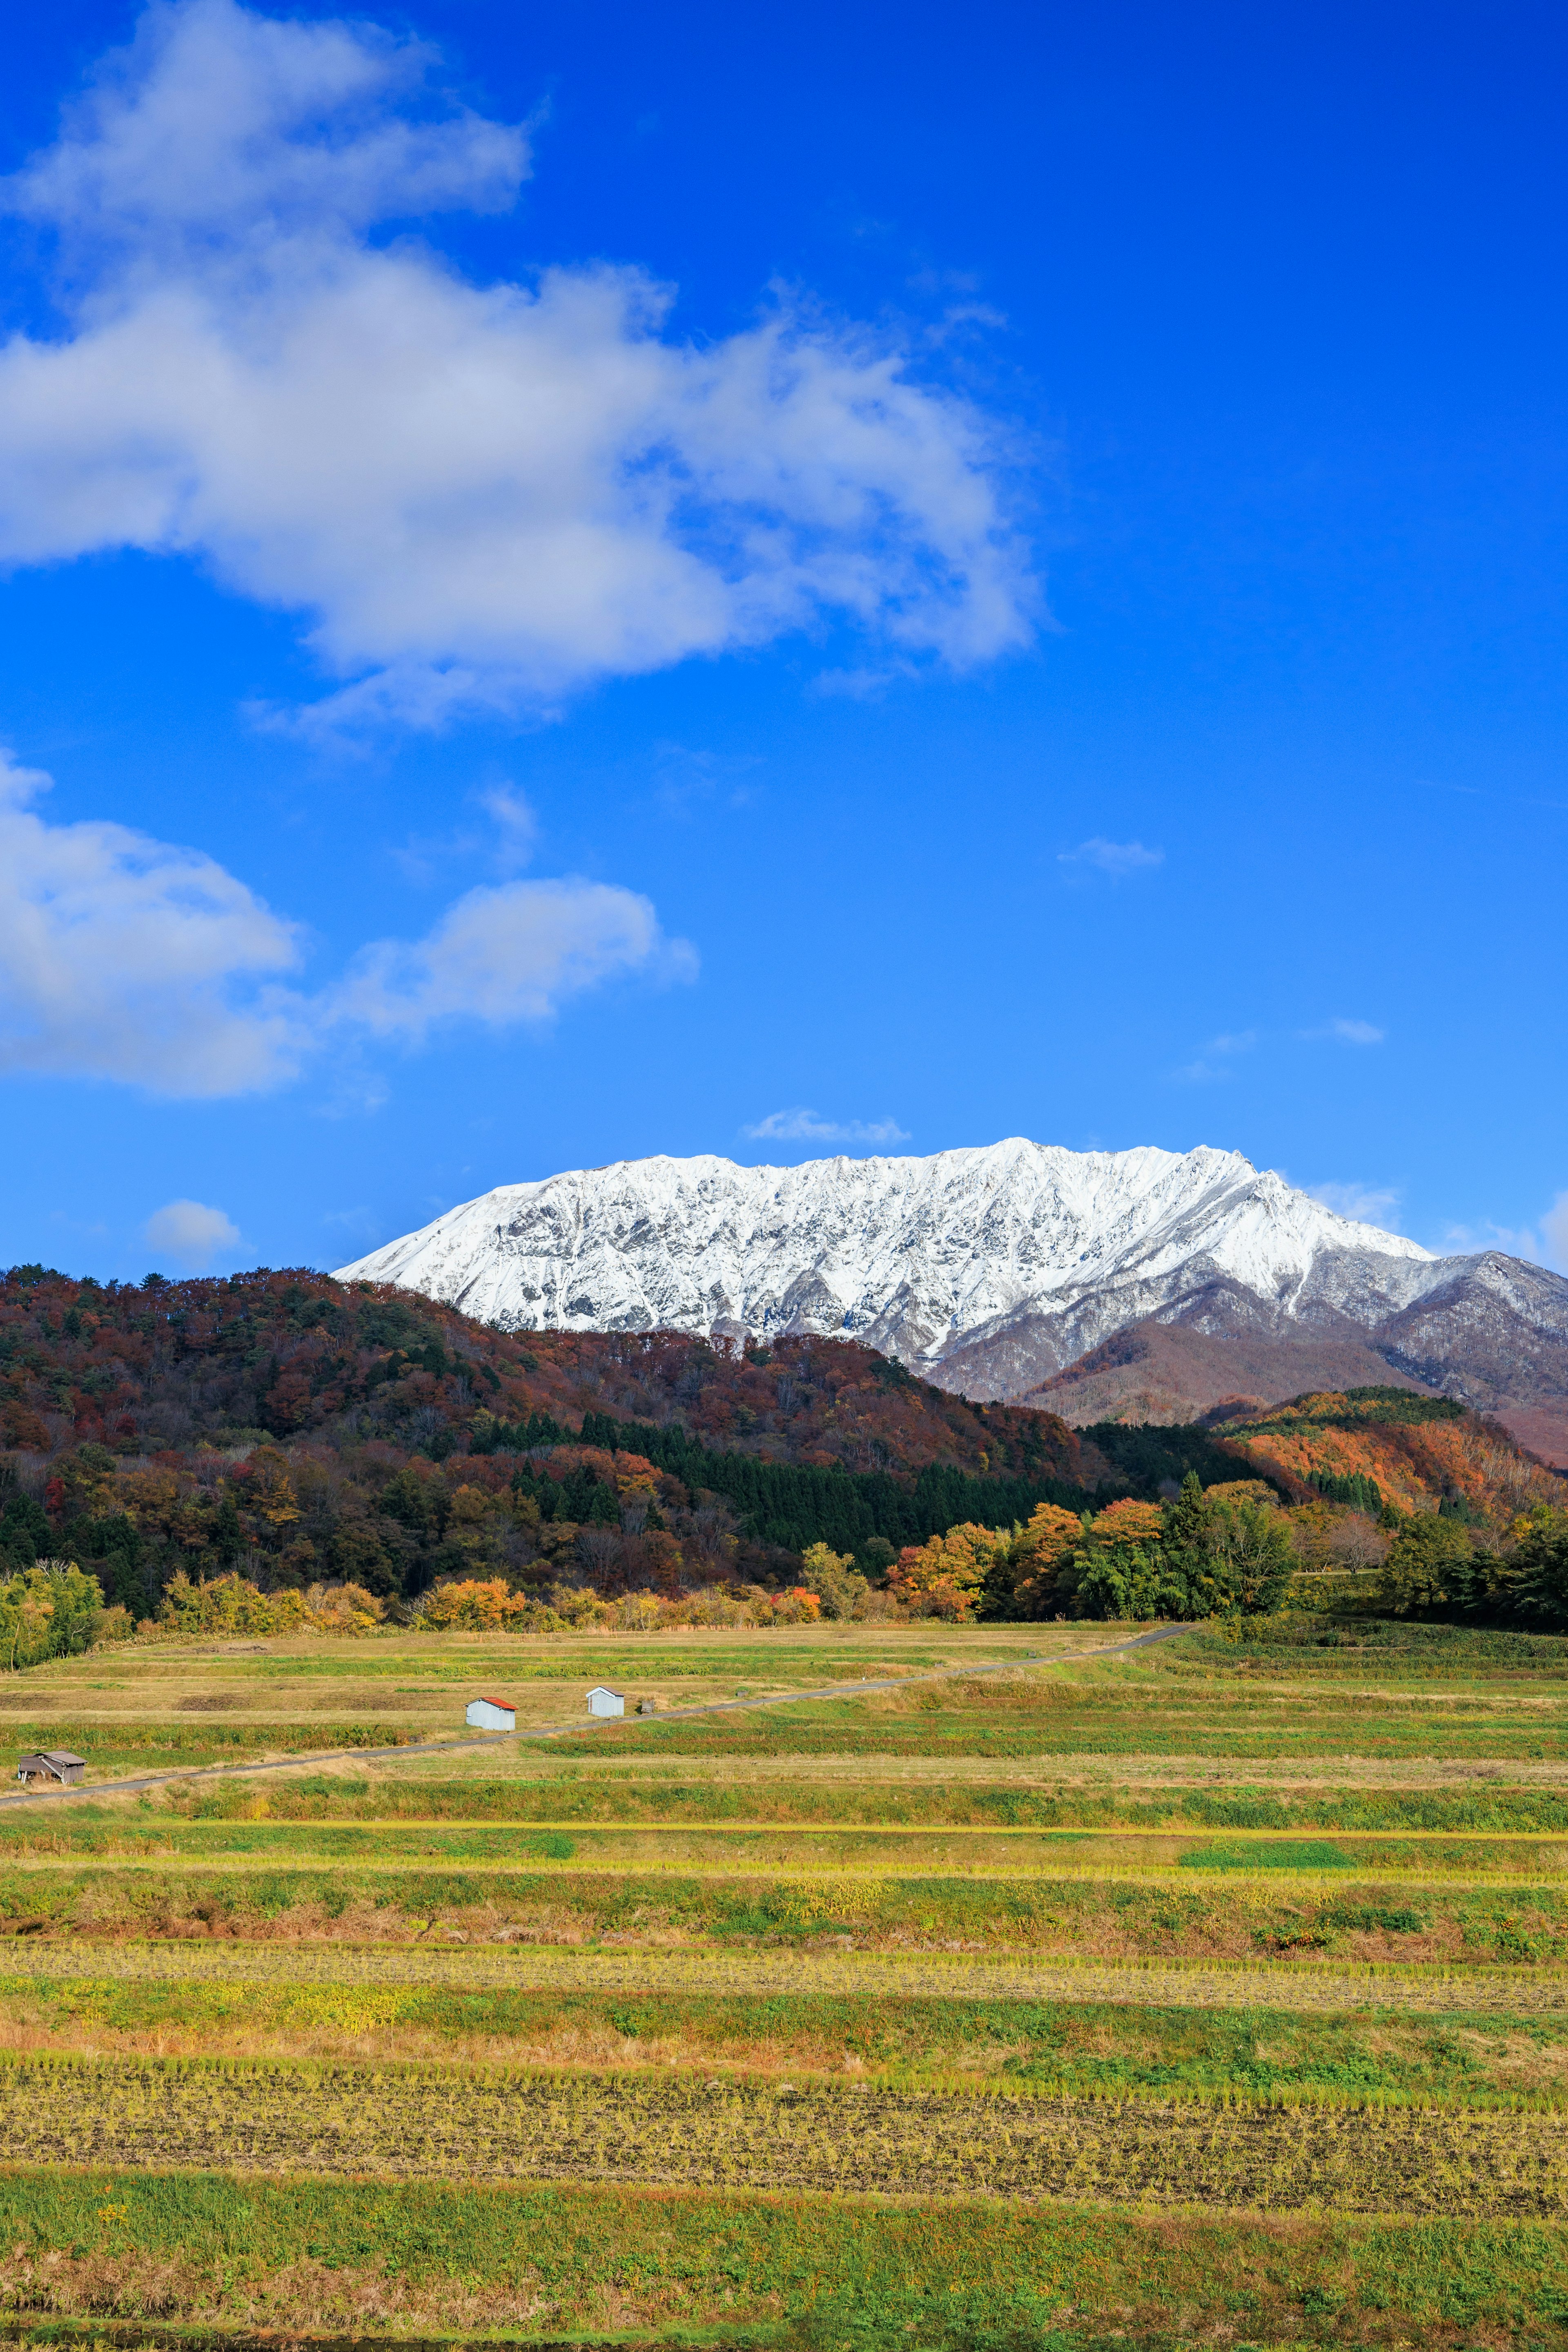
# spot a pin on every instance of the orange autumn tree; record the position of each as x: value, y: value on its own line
x: 1050, y: 1559
x: 795, y: 1606
x: 1038, y: 1554
x: 1128, y: 1522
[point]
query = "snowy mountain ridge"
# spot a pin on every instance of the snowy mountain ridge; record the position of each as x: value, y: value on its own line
x: 921, y: 1257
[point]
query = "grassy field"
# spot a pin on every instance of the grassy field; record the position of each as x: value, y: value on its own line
x: 1214, y: 1991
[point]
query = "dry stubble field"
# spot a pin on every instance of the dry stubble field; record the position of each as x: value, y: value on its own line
x: 1216, y: 1992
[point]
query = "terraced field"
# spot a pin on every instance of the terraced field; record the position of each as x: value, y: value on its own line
x: 1214, y: 1991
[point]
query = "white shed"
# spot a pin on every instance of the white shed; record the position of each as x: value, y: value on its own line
x: 606, y: 1701
x: 492, y: 1715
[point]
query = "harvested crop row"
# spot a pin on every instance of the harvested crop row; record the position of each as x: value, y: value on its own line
x: 1284, y: 1865
x: 566, y: 1799
x: 1233, y: 1917
x: 1413, y: 1990
x: 131, y: 1840
x: 1074, y: 2049
x: 431, y: 2121
x: 1076, y: 1720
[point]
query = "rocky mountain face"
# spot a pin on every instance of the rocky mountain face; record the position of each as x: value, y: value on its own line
x: 993, y: 1271
x: 1169, y: 1373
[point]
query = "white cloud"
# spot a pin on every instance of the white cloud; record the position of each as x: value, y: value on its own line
x: 1348, y: 1033
x: 1545, y: 1245
x: 505, y: 955
x: 1555, y: 1230
x: 1368, y: 1204
x: 474, y: 494
x: 129, y: 959
x: 190, y: 1234
x: 220, y: 125
x: 1116, y: 858
x: 800, y: 1126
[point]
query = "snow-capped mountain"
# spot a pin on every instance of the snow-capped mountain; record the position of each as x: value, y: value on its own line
x: 926, y: 1259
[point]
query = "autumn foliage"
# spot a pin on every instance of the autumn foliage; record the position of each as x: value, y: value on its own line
x: 1409, y: 1451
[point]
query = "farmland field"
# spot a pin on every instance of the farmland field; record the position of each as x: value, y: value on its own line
x: 1025, y: 1990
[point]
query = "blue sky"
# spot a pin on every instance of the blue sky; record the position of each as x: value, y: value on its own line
x: 590, y: 582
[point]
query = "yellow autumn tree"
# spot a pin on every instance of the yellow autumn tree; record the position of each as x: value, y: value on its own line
x: 946, y: 1576
x: 230, y: 1605
x: 475, y: 1605
x: 271, y: 1491
x: 833, y: 1578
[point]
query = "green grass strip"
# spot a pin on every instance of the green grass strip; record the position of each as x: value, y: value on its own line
x: 410, y: 2259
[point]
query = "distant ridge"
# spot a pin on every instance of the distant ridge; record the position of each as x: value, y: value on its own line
x: 993, y: 1270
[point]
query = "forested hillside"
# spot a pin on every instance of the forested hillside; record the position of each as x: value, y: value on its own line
x: 308, y: 1433
x: 1377, y: 1448
x: 285, y: 1355
x: 301, y: 1430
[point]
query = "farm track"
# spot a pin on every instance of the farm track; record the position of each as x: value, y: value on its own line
x: 580, y: 2029
x: 1409, y: 1989
x: 841, y: 1689
x: 416, y: 2122
x: 1056, y: 1771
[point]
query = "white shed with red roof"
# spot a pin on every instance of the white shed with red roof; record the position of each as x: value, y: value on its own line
x: 492, y: 1715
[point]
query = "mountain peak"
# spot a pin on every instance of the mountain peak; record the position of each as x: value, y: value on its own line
x: 919, y: 1257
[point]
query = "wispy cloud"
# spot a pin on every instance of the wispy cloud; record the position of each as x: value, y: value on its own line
x: 419, y: 858
x: 359, y: 1224
x: 1117, y: 858
x: 1210, y: 1067
x: 1367, y: 1204
x: 867, y: 684
x: 516, y: 824
x: 1515, y: 1241
x: 801, y: 1126
x: 1347, y: 1033
x: 1545, y: 1243
x: 686, y: 780
x: 1212, y: 1064
x: 1555, y: 1229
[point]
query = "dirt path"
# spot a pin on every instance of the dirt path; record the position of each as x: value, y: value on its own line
x: 559, y: 1730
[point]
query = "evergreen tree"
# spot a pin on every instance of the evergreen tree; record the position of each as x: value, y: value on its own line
x: 227, y: 1537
